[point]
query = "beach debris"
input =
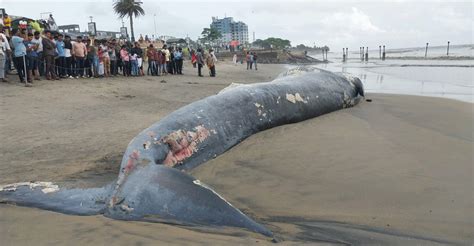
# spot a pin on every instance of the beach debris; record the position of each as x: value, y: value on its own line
x: 163, y: 81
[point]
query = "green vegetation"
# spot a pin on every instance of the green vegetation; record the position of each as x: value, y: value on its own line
x: 128, y: 8
x: 273, y: 43
x: 209, y: 35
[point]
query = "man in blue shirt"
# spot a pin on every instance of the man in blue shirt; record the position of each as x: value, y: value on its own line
x: 31, y: 58
x: 19, y: 54
x: 61, y: 61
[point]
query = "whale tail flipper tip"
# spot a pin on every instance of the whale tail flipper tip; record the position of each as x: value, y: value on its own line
x: 48, y: 196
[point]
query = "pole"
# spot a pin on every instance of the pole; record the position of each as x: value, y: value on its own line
x: 25, y: 71
x: 447, y: 51
x: 426, y: 51
x: 343, y: 55
x: 383, y: 53
x: 380, y: 52
x: 347, y: 53
x: 154, y: 21
x: 366, y: 54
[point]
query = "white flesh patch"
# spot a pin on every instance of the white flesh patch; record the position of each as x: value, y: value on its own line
x: 295, y: 98
x: 47, y: 187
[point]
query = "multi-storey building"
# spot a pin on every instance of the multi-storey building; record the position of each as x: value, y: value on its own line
x: 231, y: 30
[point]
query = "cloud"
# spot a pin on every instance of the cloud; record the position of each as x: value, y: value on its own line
x: 354, y: 22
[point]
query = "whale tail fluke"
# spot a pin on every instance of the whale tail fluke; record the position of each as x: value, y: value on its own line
x: 162, y: 194
x: 48, y: 196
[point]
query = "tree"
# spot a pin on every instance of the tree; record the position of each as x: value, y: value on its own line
x: 129, y: 8
x: 302, y: 47
x: 273, y: 43
x: 210, y: 35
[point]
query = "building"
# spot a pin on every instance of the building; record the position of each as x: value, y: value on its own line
x: 231, y: 30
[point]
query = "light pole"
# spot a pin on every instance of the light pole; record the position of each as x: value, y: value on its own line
x: 154, y: 21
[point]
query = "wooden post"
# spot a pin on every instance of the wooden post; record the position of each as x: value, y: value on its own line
x: 380, y: 52
x: 347, y: 53
x: 447, y: 51
x: 426, y: 51
x: 366, y: 54
x: 362, y: 55
x: 343, y: 55
x: 383, y: 53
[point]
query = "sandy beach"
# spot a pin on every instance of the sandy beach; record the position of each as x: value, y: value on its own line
x: 394, y: 171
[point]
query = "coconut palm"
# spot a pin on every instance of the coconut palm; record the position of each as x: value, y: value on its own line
x: 129, y: 8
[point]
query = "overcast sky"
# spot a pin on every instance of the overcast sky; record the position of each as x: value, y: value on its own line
x: 338, y: 24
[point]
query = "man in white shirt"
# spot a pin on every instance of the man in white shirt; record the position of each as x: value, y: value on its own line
x: 39, y: 40
x: 6, y: 54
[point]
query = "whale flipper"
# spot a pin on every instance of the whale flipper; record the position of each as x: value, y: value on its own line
x: 48, y: 196
x: 163, y: 194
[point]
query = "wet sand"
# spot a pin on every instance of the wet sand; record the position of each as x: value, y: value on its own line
x: 397, y: 170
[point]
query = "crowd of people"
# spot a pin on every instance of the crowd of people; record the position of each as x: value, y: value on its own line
x: 56, y: 56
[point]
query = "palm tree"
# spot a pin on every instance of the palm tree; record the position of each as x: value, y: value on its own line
x: 129, y: 8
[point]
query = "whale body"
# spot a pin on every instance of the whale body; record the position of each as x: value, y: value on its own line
x: 153, y: 184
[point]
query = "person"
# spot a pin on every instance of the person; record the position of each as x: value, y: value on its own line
x: 167, y: 57
x: 255, y: 60
x: 3, y: 55
x: 171, y: 63
x: 200, y: 61
x: 125, y: 61
x: 249, y: 60
x: 135, y: 53
x: 151, y: 53
x: 7, y: 23
x: 193, y: 58
x: 41, y: 64
x: 163, y: 62
x: 178, y: 59
x: 5, y: 62
x: 19, y: 55
x: 105, y: 57
x: 137, y: 57
x: 158, y: 60
x: 68, y: 57
x: 79, y: 52
x: 211, y: 63
x: 100, y: 67
x: 234, y: 59
x: 113, y: 57
x: 32, y: 58
x: 61, y: 59
x: 92, y: 59
x: 49, y: 52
